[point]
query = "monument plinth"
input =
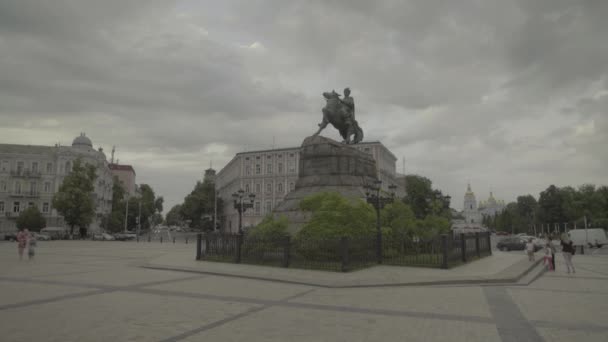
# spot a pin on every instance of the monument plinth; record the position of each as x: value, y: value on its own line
x: 326, y: 166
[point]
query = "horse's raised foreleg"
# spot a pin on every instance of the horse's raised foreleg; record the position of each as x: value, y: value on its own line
x: 322, y: 125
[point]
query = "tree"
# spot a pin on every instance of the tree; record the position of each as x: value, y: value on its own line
x: 270, y: 228
x: 550, y: 205
x: 399, y: 218
x: 199, y: 206
x: 32, y: 219
x: 74, y: 200
x: 335, y: 216
x: 419, y: 195
x: 173, y: 217
x: 115, y: 220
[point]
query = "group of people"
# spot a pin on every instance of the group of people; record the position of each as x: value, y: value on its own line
x: 568, y: 251
x: 26, y: 240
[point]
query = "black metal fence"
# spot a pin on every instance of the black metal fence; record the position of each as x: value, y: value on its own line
x: 343, y: 254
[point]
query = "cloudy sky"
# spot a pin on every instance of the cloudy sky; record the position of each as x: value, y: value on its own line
x: 509, y: 95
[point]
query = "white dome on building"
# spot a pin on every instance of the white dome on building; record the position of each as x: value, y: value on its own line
x: 82, y: 141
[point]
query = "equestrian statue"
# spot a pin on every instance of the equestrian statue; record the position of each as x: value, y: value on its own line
x: 341, y: 114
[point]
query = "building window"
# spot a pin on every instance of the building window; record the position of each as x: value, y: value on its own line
x: 68, y: 167
x: 268, y: 187
x: 268, y: 207
x: 31, y: 204
x: 269, y: 156
x: 32, y: 188
x: 45, y: 207
x: 4, y: 166
x: 280, y: 187
x: 19, y: 167
x: 258, y: 187
x: 258, y: 169
x: 291, y: 155
x: 257, y: 157
x: 17, y: 187
x: 246, y: 158
x: 291, y: 167
x: 367, y: 150
x: 1, y: 207
x: 3, y: 186
x: 291, y: 186
x: 280, y: 168
x: 34, y: 167
x: 248, y: 170
x: 49, y: 167
x: 269, y: 169
x: 16, y: 207
x: 247, y: 188
x: 257, y: 207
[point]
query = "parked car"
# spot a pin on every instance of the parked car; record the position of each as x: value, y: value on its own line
x: 103, y: 237
x: 10, y: 237
x: 55, y: 233
x: 511, y: 244
x: 125, y: 236
x: 540, y: 243
x: 501, y: 233
x: 42, y: 237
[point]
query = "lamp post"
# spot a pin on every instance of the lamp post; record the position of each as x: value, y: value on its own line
x: 241, y: 206
x: 372, y: 194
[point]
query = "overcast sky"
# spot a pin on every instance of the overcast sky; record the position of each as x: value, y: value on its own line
x: 509, y: 95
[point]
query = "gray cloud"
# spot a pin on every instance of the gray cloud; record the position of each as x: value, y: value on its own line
x: 508, y: 95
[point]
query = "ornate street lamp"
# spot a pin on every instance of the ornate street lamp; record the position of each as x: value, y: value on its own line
x: 242, y: 206
x: 372, y: 194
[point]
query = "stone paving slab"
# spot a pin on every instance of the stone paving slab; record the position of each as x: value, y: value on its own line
x: 499, y: 268
x: 305, y: 325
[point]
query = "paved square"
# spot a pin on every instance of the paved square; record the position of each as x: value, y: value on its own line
x: 97, y: 291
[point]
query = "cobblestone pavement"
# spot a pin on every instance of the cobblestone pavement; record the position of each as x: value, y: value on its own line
x: 95, y: 291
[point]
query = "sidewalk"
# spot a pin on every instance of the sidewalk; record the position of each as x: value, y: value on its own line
x: 501, y: 267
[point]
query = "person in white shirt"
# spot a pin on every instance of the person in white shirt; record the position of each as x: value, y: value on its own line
x: 530, y: 250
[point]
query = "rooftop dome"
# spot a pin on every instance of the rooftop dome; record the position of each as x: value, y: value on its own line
x: 82, y: 141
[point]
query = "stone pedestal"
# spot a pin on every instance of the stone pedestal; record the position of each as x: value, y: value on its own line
x: 326, y: 166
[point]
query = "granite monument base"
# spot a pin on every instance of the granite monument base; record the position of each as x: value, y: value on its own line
x: 326, y: 166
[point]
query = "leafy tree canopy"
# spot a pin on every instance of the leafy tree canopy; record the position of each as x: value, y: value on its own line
x: 32, y: 219
x: 74, y: 200
x: 334, y: 216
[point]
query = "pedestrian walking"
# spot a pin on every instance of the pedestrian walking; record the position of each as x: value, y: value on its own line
x: 568, y: 251
x: 31, y: 247
x: 22, y: 237
x: 548, y: 259
x: 530, y: 249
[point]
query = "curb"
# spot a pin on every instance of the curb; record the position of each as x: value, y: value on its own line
x: 489, y: 281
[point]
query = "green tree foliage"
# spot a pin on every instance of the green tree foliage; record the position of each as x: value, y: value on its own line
x: 32, y: 219
x: 423, y: 199
x: 74, y: 199
x: 173, y: 217
x: 270, y: 228
x: 115, y: 221
x: 198, y: 206
x: 334, y: 216
x: 400, y: 220
x: 432, y: 226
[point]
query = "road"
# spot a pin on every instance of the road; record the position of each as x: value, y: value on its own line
x: 95, y: 291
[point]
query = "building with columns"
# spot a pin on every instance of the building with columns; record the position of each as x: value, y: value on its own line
x: 271, y: 174
x: 30, y: 175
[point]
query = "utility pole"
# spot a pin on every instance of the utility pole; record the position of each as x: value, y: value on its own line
x: 127, y: 214
x: 215, y: 192
x: 586, y: 232
x: 139, y: 218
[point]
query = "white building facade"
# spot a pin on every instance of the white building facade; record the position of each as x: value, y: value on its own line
x: 31, y: 175
x: 271, y: 174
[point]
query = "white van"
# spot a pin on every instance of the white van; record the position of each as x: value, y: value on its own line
x: 595, y: 237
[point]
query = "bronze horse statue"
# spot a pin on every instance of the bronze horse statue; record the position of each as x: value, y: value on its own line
x: 341, y: 117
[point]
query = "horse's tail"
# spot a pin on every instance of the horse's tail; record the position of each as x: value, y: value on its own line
x: 358, y: 133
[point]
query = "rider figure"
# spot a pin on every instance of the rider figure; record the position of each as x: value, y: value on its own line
x: 349, y: 103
